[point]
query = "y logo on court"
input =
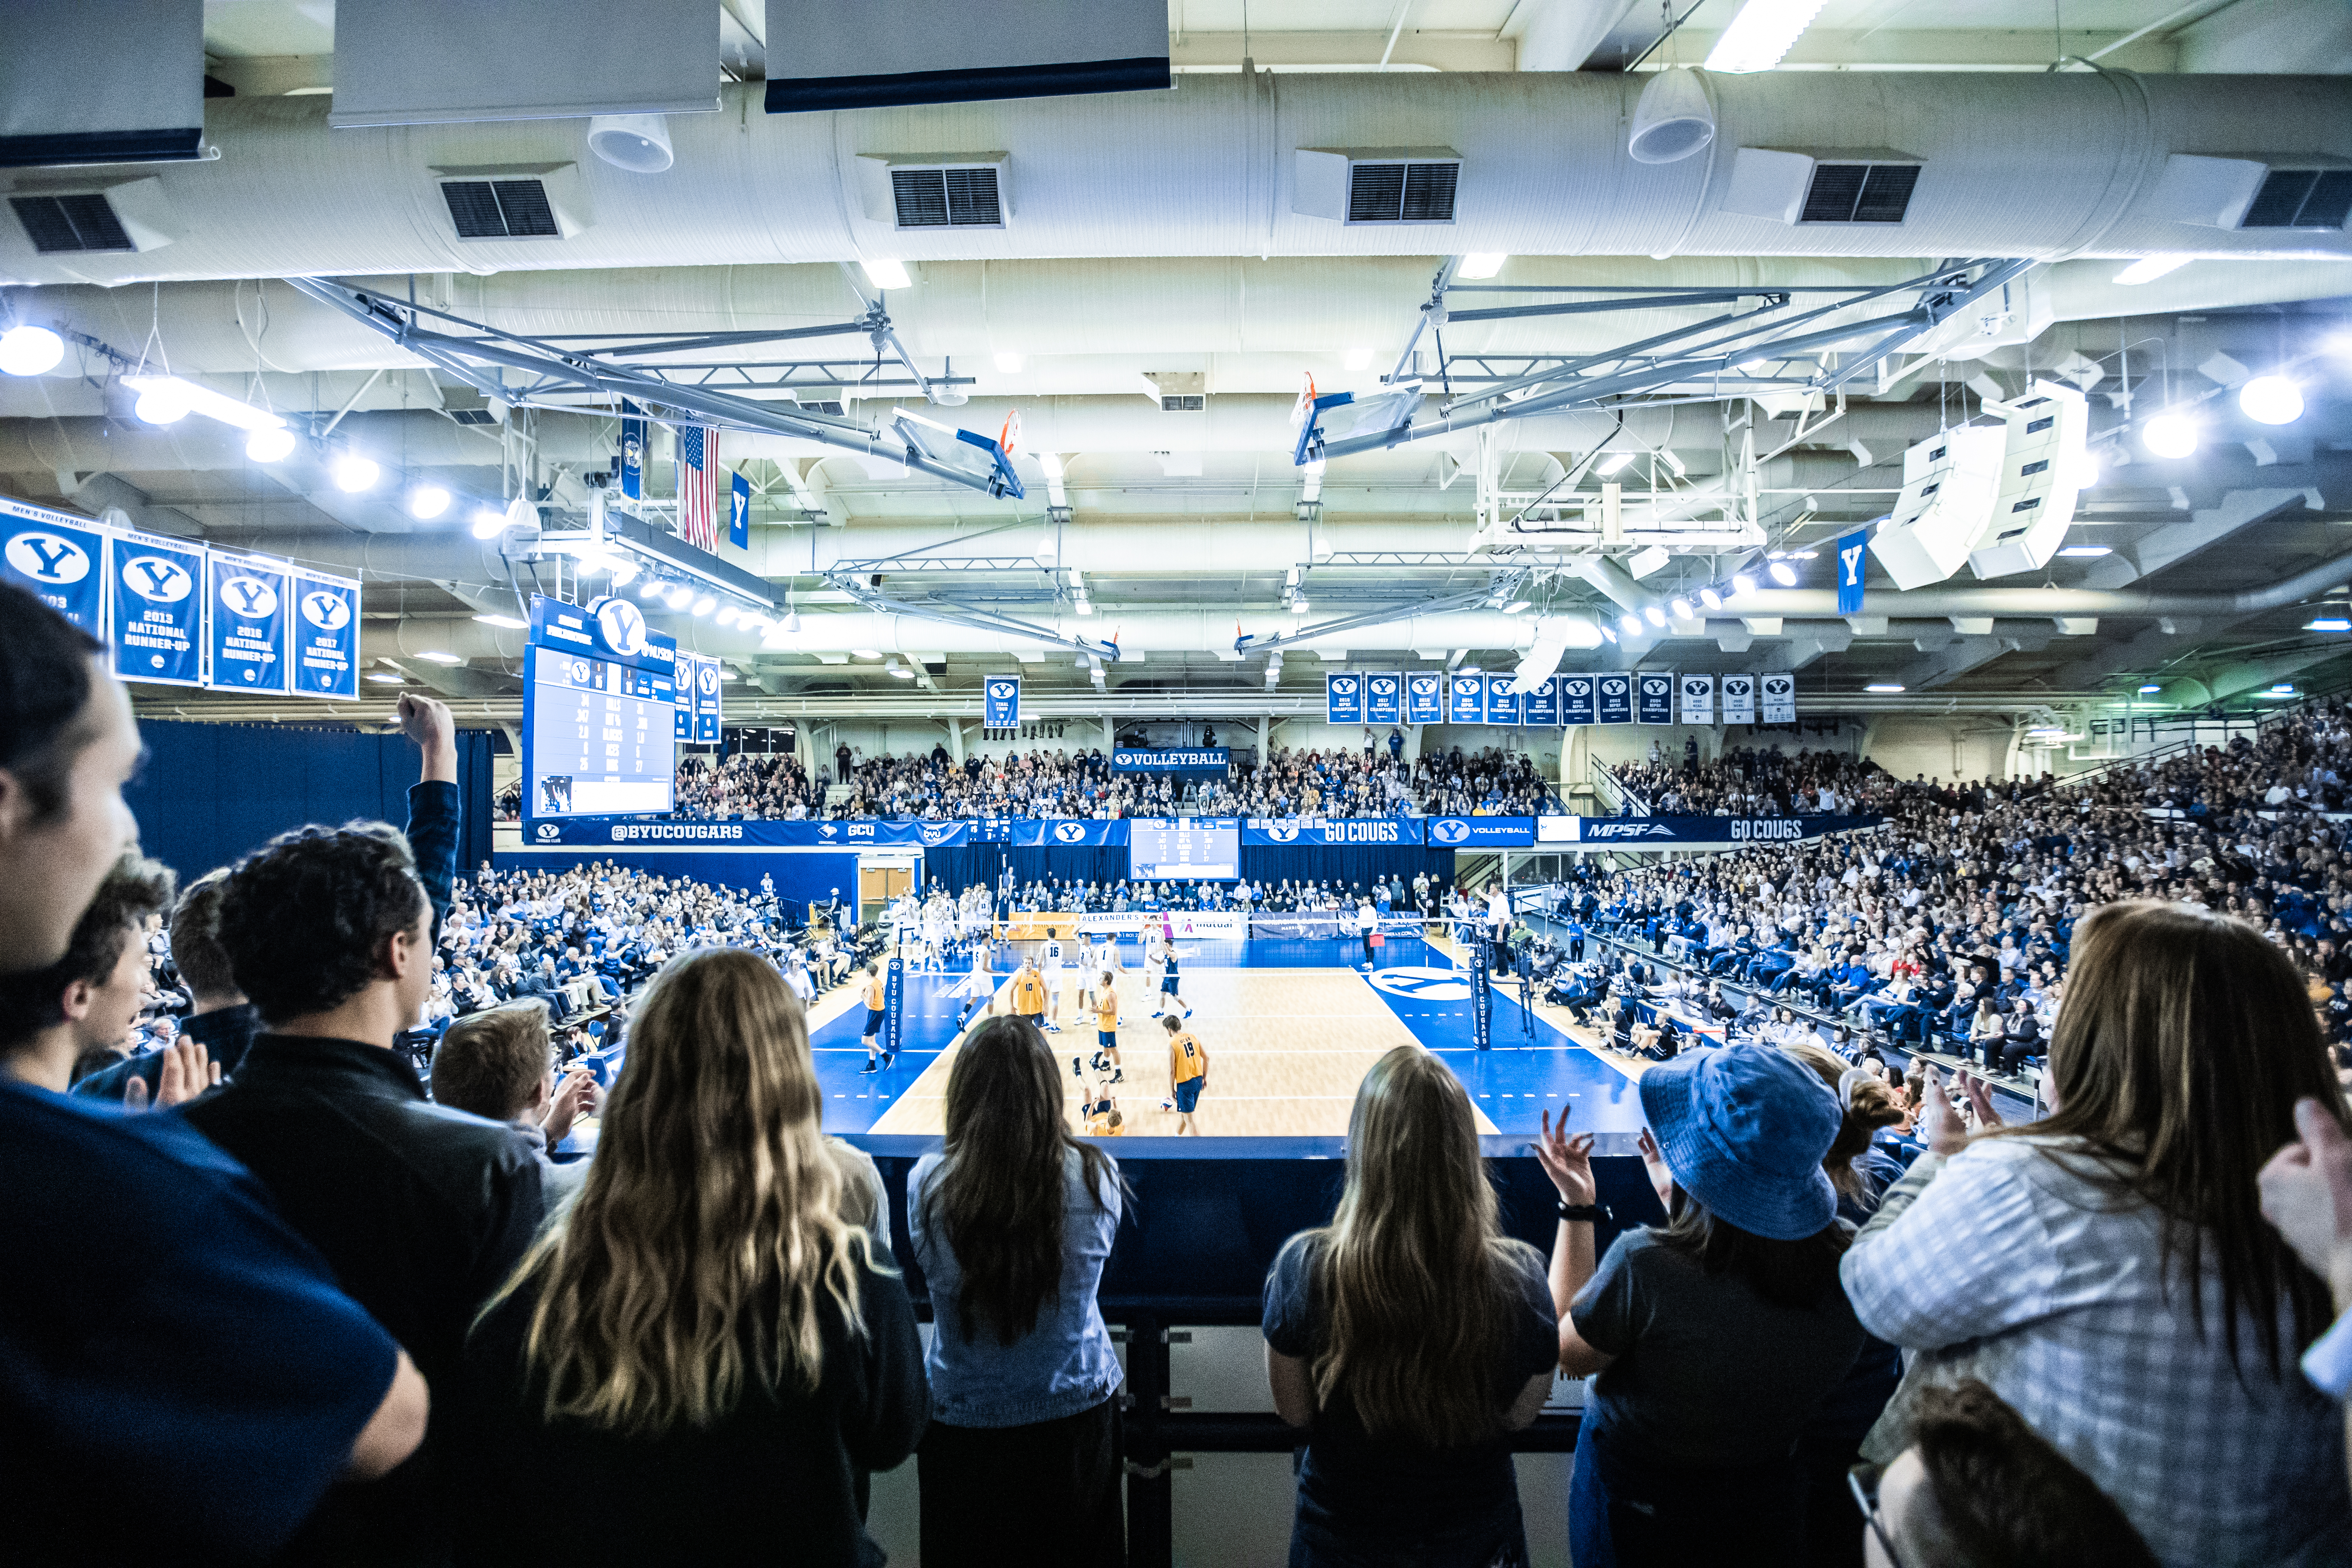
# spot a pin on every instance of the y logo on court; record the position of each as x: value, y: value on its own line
x: 1422, y: 984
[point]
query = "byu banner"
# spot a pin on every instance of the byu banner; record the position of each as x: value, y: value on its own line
x: 1851, y: 549
x: 633, y: 452
x: 1740, y: 700
x: 1003, y: 702
x: 1502, y: 699
x: 1614, y: 694
x: 1539, y: 703
x: 249, y: 624
x: 1776, y: 704
x: 1479, y: 832
x: 159, y: 608
x: 738, y: 513
x: 1668, y: 831
x: 1424, y: 699
x: 1466, y: 699
x: 1343, y: 699
x: 1656, y: 693
x: 326, y: 623
x: 1271, y: 830
x: 1698, y: 698
x: 1212, y: 759
x: 1576, y: 700
x: 1384, y: 698
x: 706, y: 701
x: 58, y: 556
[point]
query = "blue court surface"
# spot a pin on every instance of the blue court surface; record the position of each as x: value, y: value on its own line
x: 1531, y: 1068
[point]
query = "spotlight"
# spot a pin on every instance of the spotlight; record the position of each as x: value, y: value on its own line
x: 1632, y: 623
x: 865, y: 653
x: 902, y: 672
x: 488, y: 522
x: 705, y: 603
x: 426, y: 503
x: 2087, y: 551
x: 268, y: 446
x: 1480, y: 263
x: 623, y: 571
x: 2270, y: 400
x: 887, y: 274
x: 678, y: 597
x: 637, y: 142
x: 2148, y: 268
x: 1655, y: 616
x: 726, y: 615
x: 1608, y: 634
x: 30, y: 351
x: 1783, y: 573
x: 1741, y: 582
x: 2170, y: 435
x: 1681, y: 608
x: 355, y: 473
x: 2329, y: 623
x: 1884, y: 687
x: 160, y: 403
x: 509, y: 622
x: 438, y: 656
x: 2150, y: 688
x: 1710, y: 598
x: 653, y: 585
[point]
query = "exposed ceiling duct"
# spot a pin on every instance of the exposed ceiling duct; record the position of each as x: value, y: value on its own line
x: 2043, y: 166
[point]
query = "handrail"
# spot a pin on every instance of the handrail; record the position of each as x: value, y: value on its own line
x: 1612, y: 786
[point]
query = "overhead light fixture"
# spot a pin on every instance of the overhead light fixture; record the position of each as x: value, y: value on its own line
x: 2148, y: 268
x: 2087, y: 551
x: 1357, y: 358
x: 653, y: 585
x: 1632, y: 623
x: 1760, y: 35
x: 623, y: 569
x: 1655, y: 615
x: 887, y: 274
x: 30, y: 351
x: 2283, y: 688
x: 355, y: 473
x: 268, y: 446
x: 426, y: 503
x: 902, y: 672
x: 160, y: 403
x: 1050, y: 462
x: 1681, y: 608
x: 2087, y: 471
x: 1783, y: 573
x: 2150, y: 688
x: 705, y: 604
x: 1883, y: 688
x: 726, y: 613
x: 1741, y: 582
x: 1710, y: 598
x: 1297, y: 607
x: 637, y: 142
x: 1010, y: 363
x: 2170, y: 435
x: 1612, y: 463
x: 1516, y: 607
x: 170, y: 392
x: 1607, y: 635
x: 2270, y: 400
x: 678, y: 597
x: 1085, y: 605
x: 1480, y: 263
x: 1673, y: 120
x: 509, y: 622
x: 792, y: 621
x: 438, y: 656
x: 384, y: 678
x: 2329, y: 623
x: 865, y: 653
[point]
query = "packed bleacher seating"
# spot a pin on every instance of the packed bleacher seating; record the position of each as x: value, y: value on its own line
x: 1752, y: 781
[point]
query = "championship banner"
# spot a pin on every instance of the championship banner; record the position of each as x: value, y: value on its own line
x: 1479, y: 832
x: 1424, y: 699
x: 707, y: 688
x: 326, y: 623
x: 1698, y: 698
x: 1540, y: 704
x: 159, y: 608
x: 633, y: 451
x: 1466, y: 699
x: 1576, y: 700
x: 1851, y: 549
x: 1613, y: 694
x: 248, y: 622
x: 1706, y: 832
x: 1317, y: 832
x: 1779, y: 701
x: 1003, y: 702
x: 1383, y: 698
x: 682, y: 717
x: 1740, y: 700
x: 1343, y: 699
x: 739, y: 513
x: 1502, y: 699
x: 1655, y: 693
x: 56, y: 556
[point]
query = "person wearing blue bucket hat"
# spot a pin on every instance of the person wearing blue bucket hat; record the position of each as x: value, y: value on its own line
x: 1712, y: 1337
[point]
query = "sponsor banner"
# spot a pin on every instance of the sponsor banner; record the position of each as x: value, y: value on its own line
x: 60, y: 558
x: 1502, y: 699
x: 1479, y: 832
x: 1003, y: 702
x: 1614, y: 695
x: 1211, y: 759
x: 1654, y: 693
x: 1424, y: 699
x: 1384, y: 698
x: 1260, y: 831
x: 1465, y: 698
x: 159, y: 608
x: 1211, y: 925
x: 1740, y: 700
x: 1777, y: 699
x: 326, y: 625
x: 249, y: 624
x: 1850, y: 551
x: 1343, y: 697
x: 1667, y: 831
x: 1576, y: 705
x: 1698, y: 698
x: 1539, y: 703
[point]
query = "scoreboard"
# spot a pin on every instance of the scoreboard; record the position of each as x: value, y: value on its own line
x: 601, y: 736
x: 1205, y: 849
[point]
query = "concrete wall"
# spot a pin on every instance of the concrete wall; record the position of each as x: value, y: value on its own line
x: 1961, y: 747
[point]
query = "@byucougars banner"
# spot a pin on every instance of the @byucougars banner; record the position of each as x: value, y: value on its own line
x: 1343, y: 699
x: 56, y: 556
x: 671, y: 833
x: 1424, y: 699
x: 1003, y: 702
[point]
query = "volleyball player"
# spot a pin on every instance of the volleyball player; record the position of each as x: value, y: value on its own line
x: 1058, y: 980
x: 1107, y: 1027
x: 1188, y: 1074
x: 1168, y: 992
x: 1155, y: 964
x: 1028, y: 991
x: 877, y: 1059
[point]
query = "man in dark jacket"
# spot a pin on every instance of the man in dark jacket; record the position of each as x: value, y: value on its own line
x: 221, y: 1019
x: 421, y: 1211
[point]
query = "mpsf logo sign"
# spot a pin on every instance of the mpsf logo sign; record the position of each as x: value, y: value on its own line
x: 50, y: 558
x: 157, y: 579
x: 1629, y: 830
x: 1449, y: 830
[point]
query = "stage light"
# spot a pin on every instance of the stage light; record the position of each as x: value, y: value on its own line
x: 1010, y: 363
x: 355, y: 473
x: 2148, y: 268
x: 509, y: 622
x: 268, y: 446
x: 2170, y: 435
x: 2270, y: 400
x: 1783, y: 573
x: 623, y: 569
x: 1480, y: 263
x: 2150, y: 688
x: 426, y: 503
x: 678, y: 597
x: 1657, y: 617
x: 30, y: 351
x: 1762, y: 32
x: 160, y: 403
x: 1632, y: 623
x: 705, y: 603
x: 1608, y: 634
x: 1883, y: 688
x: 887, y: 274
x: 1681, y: 608
x: 2087, y: 551
x: 1710, y: 598
x: 653, y: 585
x: 637, y: 142
x: 1741, y: 582
x: 488, y: 522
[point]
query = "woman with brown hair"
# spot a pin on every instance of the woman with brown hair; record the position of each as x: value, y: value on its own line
x: 1011, y: 1221
x: 2106, y: 1270
x: 699, y: 1359
x: 1410, y: 1336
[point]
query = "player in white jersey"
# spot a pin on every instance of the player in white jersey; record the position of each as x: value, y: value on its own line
x: 1056, y: 976
x: 1155, y: 961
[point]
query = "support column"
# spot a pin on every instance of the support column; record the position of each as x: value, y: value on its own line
x: 1110, y: 735
x: 955, y: 740
x: 1264, y: 728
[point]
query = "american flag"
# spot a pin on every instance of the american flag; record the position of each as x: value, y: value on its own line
x: 698, y: 486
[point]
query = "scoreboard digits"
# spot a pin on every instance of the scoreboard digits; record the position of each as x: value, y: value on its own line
x: 603, y: 737
x: 1200, y: 848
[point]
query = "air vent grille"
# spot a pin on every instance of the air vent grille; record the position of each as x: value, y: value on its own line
x: 1859, y: 193
x: 60, y: 223
x: 2301, y: 198
x: 1402, y: 193
x: 473, y: 416
x: 946, y: 198
x: 500, y: 209
x: 1183, y: 403
x: 829, y: 406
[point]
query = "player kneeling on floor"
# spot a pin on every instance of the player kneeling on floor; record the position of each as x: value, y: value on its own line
x: 1188, y: 1074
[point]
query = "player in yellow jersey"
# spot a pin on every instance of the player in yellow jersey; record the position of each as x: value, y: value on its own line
x: 1106, y: 1025
x: 1101, y: 1112
x: 876, y: 993
x: 1029, y: 992
x: 1188, y: 1073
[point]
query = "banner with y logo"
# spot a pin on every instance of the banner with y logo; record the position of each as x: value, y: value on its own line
x: 158, y: 622
x: 57, y: 556
x: 248, y: 622
x: 1851, y: 549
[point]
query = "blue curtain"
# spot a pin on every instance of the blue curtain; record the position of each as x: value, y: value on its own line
x: 1352, y: 864
x: 963, y: 865
x: 210, y: 793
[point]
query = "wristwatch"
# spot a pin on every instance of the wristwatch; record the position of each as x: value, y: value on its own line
x: 1590, y: 1214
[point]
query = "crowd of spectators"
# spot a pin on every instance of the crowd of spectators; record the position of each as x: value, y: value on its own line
x: 1752, y: 781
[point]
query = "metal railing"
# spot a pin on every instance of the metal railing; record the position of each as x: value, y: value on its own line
x: 1614, y: 792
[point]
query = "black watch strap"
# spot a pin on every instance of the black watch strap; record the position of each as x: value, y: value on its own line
x: 1590, y: 1213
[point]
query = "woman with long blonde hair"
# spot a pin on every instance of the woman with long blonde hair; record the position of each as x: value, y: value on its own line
x: 700, y: 1360
x: 1410, y: 1336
